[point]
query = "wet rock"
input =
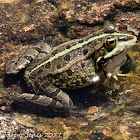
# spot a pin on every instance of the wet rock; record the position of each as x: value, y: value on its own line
x: 11, y: 129
x: 128, y: 21
x: 85, y: 12
x: 33, y: 21
x: 93, y: 110
x: 127, y: 4
x: 26, y: 21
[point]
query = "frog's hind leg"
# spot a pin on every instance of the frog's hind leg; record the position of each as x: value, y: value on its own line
x: 57, y: 94
x: 47, y: 96
x: 38, y: 103
x: 26, y: 56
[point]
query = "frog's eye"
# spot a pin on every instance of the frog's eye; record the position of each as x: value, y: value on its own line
x: 110, y: 44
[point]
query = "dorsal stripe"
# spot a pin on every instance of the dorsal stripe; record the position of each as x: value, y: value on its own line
x: 78, y: 45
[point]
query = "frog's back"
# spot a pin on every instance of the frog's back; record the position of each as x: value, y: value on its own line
x: 68, y: 65
x: 66, y: 55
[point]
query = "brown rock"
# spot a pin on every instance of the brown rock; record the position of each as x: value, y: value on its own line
x: 127, y: 3
x: 93, y: 109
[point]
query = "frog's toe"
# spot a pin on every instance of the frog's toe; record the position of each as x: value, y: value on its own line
x: 64, y: 99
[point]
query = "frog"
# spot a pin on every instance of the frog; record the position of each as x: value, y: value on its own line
x: 73, y: 64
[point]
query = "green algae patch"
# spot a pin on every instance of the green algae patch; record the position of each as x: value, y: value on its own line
x: 117, y: 109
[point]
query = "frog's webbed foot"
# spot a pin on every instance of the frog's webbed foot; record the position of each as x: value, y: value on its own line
x: 124, y: 75
x: 116, y: 73
x: 115, y: 76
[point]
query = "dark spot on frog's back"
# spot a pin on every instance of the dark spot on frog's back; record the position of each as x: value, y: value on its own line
x: 82, y: 65
x: 69, y: 72
x: 54, y: 52
x: 67, y: 57
x: 48, y: 65
x: 30, y: 58
x: 39, y: 72
x: 58, y: 66
x: 68, y: 47
x: 84, y: 81
x: 80, y: 41
x: 85, y: 51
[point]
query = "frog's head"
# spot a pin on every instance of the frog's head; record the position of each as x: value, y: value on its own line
x: 113, y: 52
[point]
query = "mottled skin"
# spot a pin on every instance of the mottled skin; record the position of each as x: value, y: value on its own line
x: 70, y: 65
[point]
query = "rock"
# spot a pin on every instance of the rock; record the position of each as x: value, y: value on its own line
x: 93, y: 109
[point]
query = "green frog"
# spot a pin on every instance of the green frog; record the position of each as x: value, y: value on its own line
x: 73, y: 64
